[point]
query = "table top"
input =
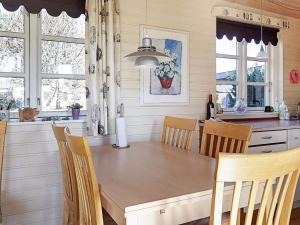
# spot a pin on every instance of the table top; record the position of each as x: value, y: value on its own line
x: 148, y: 172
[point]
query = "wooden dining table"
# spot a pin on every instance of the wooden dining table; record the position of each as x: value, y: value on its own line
x: 155, y: 184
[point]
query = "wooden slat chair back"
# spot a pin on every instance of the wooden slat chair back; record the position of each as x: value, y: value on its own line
x: 89, y: 197
x: 224, y: 137
x: 3, y: 126
x: 71, y: 207
x: 178, y: 132
x: 261, y: 172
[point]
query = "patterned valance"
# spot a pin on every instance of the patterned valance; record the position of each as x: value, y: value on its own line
x: 73, y: 8
x: 246, y: 31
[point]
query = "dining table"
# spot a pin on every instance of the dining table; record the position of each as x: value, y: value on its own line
x: 151, y: 183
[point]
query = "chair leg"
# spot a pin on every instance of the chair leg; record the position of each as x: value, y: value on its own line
x: 239, y: 217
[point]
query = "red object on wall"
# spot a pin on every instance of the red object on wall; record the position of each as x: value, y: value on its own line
x: 166, y: 83
x: 294, y: 76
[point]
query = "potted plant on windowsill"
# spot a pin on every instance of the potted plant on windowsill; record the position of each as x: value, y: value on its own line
x: 6, y: 104
x: 75, y: 108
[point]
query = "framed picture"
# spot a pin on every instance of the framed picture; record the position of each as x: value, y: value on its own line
x: 168, y: 84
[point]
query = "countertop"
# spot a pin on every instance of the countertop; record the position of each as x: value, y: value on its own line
x: 268, y: 125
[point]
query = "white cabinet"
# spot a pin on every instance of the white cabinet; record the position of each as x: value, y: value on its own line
x: 268, y: 141
x: 293, y: 138
x: 294, y: 142
x: 268, y: 148
x: 268, y: 137
x: 273, y: 141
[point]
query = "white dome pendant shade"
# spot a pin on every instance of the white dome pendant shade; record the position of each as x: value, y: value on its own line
x: 262, y: 53
x: 147, y: 56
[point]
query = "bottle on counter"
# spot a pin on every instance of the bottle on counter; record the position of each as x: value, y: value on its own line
x: 210, y: 108
x: 283, y: 111
x: 276, y: 105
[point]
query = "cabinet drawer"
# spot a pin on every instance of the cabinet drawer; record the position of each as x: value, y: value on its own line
x: 267, y: 148
x: 268, y: 137
x: 293, y: 138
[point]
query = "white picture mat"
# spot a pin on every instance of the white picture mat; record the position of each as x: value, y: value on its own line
x: 145, y: 97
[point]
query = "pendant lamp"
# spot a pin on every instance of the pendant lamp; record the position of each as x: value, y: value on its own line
x: 147, y: 55
x: 262, y: 54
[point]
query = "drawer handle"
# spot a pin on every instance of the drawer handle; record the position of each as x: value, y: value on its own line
x: 162, y: 211
x: 267, y: 137
x: 270, y: 151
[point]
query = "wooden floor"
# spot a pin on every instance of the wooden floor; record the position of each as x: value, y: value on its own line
x: 295, y: 219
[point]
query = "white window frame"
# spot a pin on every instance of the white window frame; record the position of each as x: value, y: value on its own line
x: 41, y: 75
x: 25, y: 74
x: 32, y: 64
x: 241, y: 79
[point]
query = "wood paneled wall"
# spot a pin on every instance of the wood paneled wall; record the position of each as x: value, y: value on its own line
x: 291, y: 48
x: 194, y: 16
x: 32, y: 183
x: 32, y: 192
x: 290, y: 8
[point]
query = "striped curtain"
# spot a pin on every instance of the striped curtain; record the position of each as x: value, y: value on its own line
x: 101, y: 46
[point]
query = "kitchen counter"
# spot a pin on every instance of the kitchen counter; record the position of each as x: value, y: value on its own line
x: 269, y: 125
x: 266, y: 124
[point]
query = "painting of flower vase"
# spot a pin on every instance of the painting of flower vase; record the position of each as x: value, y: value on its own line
x: 168, y: 83
x: 166, y: 78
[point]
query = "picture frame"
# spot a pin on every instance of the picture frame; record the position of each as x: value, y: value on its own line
x: 167, y: 84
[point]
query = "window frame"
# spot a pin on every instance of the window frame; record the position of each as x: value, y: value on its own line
x: 41, y: 37
x: 32, y: 74
x: 26, y: 73
x: 241, y: 79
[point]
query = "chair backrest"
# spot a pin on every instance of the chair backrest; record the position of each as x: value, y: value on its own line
x: 68, y: 172
x: 224, y: 137
x: 261, y: 171
x: 178, y: 132
x: 3, y: 126
x: 89, y: 196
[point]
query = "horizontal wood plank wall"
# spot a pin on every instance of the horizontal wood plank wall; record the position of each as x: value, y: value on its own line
x: 194, y: 16
x: 286, y: 8
x: 291, y: 44
x: 32, y: 183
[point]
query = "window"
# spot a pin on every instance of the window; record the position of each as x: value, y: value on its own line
x: 241, y: 75
x: 42, y: 60
x: 62, y: 61
x: 14, y: 73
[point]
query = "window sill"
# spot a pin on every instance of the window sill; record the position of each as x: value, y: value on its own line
x: 16, y: 122
x: 246, y: 115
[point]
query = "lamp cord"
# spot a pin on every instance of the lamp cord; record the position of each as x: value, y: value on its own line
x: 261, y: 20
x: 146, y: 17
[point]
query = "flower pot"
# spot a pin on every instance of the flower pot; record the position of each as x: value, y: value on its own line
x: 166, y: 83
x: 4, y: 115
x: 75, y: 114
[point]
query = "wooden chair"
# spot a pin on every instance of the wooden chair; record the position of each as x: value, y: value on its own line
x: 71, y: 207
x: 89, y: 197
x: 179, y: 132
x: 224, y: 137
x: 261, y: 170
x: 3, y: 126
